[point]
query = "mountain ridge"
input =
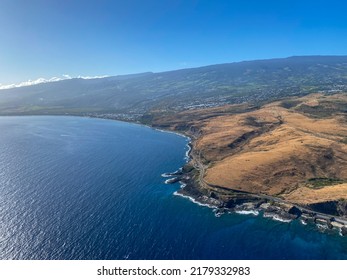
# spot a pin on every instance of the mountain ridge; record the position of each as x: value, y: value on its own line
x: 206, y: 86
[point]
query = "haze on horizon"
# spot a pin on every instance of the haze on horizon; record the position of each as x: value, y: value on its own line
x: 94, y: 38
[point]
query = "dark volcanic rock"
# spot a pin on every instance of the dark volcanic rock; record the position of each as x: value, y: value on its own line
x: 295, y: 211
x: 187, y: 168
x: 330, y: 226
x: 235, y: 201
x: 344, y: 231
x: 342, y: 207
x: 172, y: 180
x: 213, y: 195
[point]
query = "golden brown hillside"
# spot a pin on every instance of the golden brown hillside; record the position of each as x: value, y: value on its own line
x: 294, y: 149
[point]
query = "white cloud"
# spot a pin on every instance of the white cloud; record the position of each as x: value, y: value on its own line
x: 92, y: 77
x: 43, y: 80
x: 31, y: 82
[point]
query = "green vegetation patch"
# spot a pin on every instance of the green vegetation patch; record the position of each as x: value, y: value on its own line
x: 318, y: 183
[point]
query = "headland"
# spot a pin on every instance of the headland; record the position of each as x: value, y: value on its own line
x: 287, y: 159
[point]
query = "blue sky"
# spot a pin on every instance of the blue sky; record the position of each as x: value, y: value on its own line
x: 41, y: 38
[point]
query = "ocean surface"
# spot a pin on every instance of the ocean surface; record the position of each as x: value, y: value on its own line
x: 80, y: 188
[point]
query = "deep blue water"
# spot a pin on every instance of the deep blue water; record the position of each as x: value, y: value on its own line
x: 78, y: 188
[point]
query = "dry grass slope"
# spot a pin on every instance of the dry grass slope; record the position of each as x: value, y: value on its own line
x: 294, y: 149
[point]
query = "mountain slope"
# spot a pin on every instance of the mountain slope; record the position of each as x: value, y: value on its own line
x: 208, y: 86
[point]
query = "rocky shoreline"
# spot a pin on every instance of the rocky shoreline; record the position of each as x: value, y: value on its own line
x: 225, y: 201
x: 330, y: 215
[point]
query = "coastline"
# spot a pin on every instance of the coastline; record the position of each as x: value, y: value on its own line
x: 224, y: 201
x: 246, y: 204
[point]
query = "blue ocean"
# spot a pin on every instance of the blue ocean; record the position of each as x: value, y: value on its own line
x: 81, y: 188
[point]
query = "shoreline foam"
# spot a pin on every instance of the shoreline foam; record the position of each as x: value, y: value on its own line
x: 195, y: 201
x: 247, y: 212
